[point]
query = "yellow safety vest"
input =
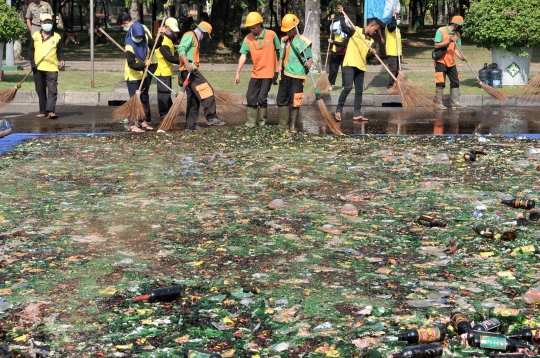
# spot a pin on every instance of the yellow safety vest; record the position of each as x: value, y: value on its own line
x: 357, y: 51
x: 131, y: 74
x: 164, y: 67
x: 50, y: 63
x: 393, y: 46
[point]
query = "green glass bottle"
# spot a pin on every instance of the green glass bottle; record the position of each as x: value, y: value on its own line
x: 528, y: 335
x: 507, y: 314
x: 495, y: 342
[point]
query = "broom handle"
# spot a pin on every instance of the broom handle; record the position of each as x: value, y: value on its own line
x: 152, y: 53
x: 367, y: 44
x: 327, y: 52
x: 160, y: 81
x: 468, y: 64
x: 397, y: 46
x: 111, y: 39
x: 29, y: 73
x: 303, y: 50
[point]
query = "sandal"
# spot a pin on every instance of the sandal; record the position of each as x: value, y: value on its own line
x: 360, y: 119
x: 135, y: 129
x: 337, y: 116
x: 51, y: 115
x: 145, y: 126
x: 41, y: 115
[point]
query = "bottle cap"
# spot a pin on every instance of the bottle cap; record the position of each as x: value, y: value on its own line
x: 141, y: 298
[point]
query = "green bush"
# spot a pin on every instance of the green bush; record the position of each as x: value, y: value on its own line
x: 503, y: 24
x: 11, y: 25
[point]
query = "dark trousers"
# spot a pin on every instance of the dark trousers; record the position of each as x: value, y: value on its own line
x: 257, y: 93
x: 393, y: 66
x: 441, y: 71
x: 194, y: 99
x: 288, y: 88
x: 133, y: 87
x: 350, y: 76
x: 335, y: 61
x: 46, y: 81
x: 164, y: 95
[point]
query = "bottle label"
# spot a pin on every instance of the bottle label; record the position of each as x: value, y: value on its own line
x: 490, y: 324
x: 535, y: 334
x: 488, y: 342
x: 528, y: 248
x: 457, y: 318
x: 195, y: 354
x: 506, y: 312
x: 428, y: 335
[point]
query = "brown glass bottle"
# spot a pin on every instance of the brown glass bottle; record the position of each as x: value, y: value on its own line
x: 162, y: 294
x: 487, y: 325
x: 423, y: 335
x: 528, y: 335
x: 431, y: 350
x: 519, y: 203
x: 429, y: 221
x: 460, y: 322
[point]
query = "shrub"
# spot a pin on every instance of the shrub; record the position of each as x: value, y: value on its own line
x: 11, y: 25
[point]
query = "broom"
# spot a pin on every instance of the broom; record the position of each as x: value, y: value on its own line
x: 493, y: 92
x: 133, y: 108
x: 411, y: 95
x: 332, y: 125
x: 170, y: 119
x: 323, y: 83
x: 532, y: 88
x: 112, y: 40
x: 8, y: 95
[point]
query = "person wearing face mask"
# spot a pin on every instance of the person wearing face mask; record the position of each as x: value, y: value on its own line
x: 138, y: 48
x: 46, y: 73
x: 262, y: 44
x: 198, y: 90
x: 393, y: 47
x: 166, y: 59
x: 447, y: 37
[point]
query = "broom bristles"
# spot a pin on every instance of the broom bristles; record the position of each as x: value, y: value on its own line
x: 323, y: 83
x: 133, y: 109
x: 227, y: 102
x: 7, y: 95
x: 493, y: 92
x: 174, y: 112
x: 330, y: 122
x: 531, y: 89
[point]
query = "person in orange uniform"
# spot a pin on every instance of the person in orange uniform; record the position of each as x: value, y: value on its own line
x: 297, y: 61
x: 198, y: 90
x: 166, y: 59
x: 262, y: 44
x: 47, y: 45
x: 447, y: 37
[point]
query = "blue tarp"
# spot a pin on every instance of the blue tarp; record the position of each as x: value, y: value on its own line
x: 381, y: 9
x: 9, y: 142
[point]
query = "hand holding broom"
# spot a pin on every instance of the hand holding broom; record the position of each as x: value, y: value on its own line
x: 8, y: 95
x: 133, y: 108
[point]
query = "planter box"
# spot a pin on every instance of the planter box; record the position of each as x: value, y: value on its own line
x: 515, y: 69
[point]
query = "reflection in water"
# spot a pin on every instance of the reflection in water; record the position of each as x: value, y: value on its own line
x: 382, y: 120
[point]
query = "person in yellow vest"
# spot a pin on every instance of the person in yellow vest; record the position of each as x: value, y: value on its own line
x: 297, y: 60
x: 198, y: 90
x: 447, y: 37
x: 355, y: 63
x: 46, y: 56
x: 166, y: 58
x: 138, y: 43
x: 339, y: 47
x: 393, y: 47
x: 262, y: 44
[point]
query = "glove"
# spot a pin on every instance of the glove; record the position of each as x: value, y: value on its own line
x: 33, y: 66
x: 274, y: 79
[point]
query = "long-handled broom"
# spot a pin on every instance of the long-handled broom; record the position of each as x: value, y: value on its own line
x: 323, y: 83
x: 172, y: 116
x: 325, y: 113
x: 133, y: 108
x: 493, y: 92
x: 411, y: 95
x: 8, y: 95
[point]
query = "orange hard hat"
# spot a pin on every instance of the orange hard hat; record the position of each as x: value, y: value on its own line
x: 289, y: 21
x: 458, y: 20
x: 253, y: 18
x: 205, y: 27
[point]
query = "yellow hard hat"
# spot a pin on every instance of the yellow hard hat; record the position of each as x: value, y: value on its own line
x: 458, y: 20
x: 253, y: 18
x: 289, y: 21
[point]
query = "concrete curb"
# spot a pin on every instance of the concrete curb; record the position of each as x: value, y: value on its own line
x: 368, y: 100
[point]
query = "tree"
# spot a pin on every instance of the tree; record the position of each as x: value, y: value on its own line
x: 11, y: 25
x: 312, y: 32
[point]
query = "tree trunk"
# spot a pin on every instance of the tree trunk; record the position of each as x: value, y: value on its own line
x: 217, y: 20
x: 252, y: 5
x: 312, y: 32
x: 177, y: 8
x: 134, y: 10
x: 411, y: 5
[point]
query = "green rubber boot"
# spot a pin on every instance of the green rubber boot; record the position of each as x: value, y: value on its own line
x: 284, y: 113
x: 252, y: 114
x: 454, y: 95
x: 438, y: 99
x: 263, y: 114
x: 294, y: 119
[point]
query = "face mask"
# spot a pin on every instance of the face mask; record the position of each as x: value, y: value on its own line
x: 136, y: 40
x: 46, y: 27
x: 458, y: 29
x: 398, y: 22
x: 168, y: 33
x: 126, y: 29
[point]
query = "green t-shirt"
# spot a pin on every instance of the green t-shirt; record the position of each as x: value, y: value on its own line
x: 294, y: 66
x: 439, y: 36
x: 244, y: 50
x: 187, y: 47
